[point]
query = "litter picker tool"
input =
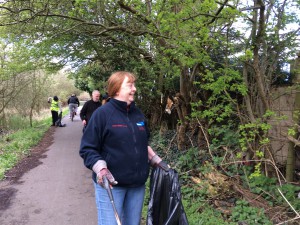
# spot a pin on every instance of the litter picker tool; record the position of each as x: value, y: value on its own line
x: 111, y: 198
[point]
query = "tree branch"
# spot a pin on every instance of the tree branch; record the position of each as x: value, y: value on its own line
x: 294, y: 140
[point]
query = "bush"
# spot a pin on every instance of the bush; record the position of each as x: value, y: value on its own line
x: 242, y: 212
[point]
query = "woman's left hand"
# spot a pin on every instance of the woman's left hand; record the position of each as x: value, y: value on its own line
x: 157, y: 161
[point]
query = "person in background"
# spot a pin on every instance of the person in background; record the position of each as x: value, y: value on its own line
x: 73, y: 102
x: 115, y: 145
x: 55, y: 108
x: 89, y: 107
x: 105, y: 98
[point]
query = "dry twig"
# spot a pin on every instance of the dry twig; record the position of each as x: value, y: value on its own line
x: 288, y: 203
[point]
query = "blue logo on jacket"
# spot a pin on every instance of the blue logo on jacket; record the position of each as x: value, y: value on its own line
x: 141, y: 125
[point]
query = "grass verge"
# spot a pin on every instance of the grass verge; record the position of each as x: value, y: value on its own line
x: 17, y: 143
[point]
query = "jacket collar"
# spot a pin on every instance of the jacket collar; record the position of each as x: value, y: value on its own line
x: 122, y: 106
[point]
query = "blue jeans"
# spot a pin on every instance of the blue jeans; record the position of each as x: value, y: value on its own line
x: 128, y: 202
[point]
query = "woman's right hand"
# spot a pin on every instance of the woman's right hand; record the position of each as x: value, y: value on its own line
x: 105, y: 172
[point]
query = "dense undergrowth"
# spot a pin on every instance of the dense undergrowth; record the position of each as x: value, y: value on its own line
x: 216, y: 194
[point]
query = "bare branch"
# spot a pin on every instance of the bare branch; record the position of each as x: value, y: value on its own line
x: 218, y: 12
x: 294, y: 140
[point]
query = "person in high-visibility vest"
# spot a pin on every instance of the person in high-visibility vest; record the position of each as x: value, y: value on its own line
x: 55, y: 108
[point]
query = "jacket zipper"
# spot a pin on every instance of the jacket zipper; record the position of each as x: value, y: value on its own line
x: 134, y: 141
x: 133, y: 133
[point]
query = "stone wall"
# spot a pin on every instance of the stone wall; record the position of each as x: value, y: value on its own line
x: 283, y: 104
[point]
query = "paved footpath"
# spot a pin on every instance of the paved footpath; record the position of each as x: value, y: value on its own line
x: 57, y: 192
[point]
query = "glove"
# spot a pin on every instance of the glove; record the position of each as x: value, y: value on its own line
x: 109, y: 176
x: 157, y: 161
x: 163, y: 166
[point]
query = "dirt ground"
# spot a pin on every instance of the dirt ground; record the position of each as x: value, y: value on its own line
x: 33, y: 160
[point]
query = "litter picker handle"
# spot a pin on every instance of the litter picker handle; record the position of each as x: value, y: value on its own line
x: 111, y: 198
x: 107, y: 187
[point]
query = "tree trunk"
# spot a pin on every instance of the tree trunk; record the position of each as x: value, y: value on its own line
x: 155, y: 120
x: 182, y: 105
x: 247, y: 97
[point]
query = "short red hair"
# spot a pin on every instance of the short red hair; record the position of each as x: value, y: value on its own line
x: 115, y: 81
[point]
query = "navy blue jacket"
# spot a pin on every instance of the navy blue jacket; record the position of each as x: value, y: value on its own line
x: 118, y: 135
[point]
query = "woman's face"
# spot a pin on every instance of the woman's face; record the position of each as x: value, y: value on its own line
x: 127, y: 91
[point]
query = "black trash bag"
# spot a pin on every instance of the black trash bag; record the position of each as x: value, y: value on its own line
x: 165, y: 206
x: 58, y: 123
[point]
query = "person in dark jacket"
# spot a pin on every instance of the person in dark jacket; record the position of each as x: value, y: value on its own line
x: 115, y: 145
x: 105, y: 98
x: 89, y: 107
x: 73, y: 103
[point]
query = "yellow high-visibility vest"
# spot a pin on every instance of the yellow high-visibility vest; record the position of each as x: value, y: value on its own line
x: 54, y: 106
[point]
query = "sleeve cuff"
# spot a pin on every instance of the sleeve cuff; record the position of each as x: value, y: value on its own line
x: 99, y: 165
x: 155, y: 160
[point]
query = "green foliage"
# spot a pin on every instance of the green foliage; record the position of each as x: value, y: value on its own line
x: 166, y: 149
x: 252, y: 132
x: 267, y: 188
x: 242, y: 212
x: 219, y: 110
x: 261, y: 185
x: 290, y: 192
x: 159, y: 43
x: 248, y: 55
x: 16, y: 122
x: 16, y: 145
x: 292, y: 132
x: 25, y: 79
x: 200, y: 213
x: 90, y: 77
x: 190, y: 159
x: 194, y: 199
x: 224, y: 135
x: 193, y: 193
x: 257, y: 171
